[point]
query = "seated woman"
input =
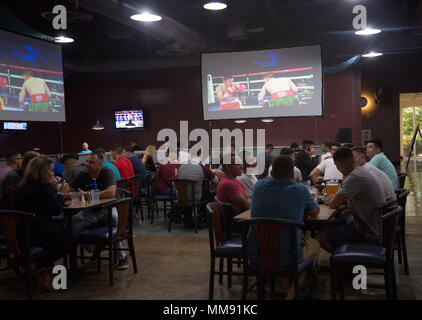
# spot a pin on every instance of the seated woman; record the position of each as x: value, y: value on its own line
x: 150, y: 158
x: 37, y: 193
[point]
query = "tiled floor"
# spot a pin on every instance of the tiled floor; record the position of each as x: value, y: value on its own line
x: 176, y: 265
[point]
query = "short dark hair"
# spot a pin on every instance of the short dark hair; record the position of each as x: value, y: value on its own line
x: 227, y: 76
x: 269, y: 145
x: 129, y: 149
x: 294, y: 145
x: 337, y: 144
x: 307, y: 143
x: 101, y: 150
x: 286, y: 152
x: 377, y: 142
x: 69, y: 156
x: 327, y: 144
x: 117, y: 148
x: 283, y: 167
x: 135, y: 141
x: 343, y: 153
x: 27, y: 73
x: 98, y: 154
x: 359, y: 150
x: 11, y: 157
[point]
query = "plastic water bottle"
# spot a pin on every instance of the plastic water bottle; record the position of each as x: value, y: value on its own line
x: 94, y: 184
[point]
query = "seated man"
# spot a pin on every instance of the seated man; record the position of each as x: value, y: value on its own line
x: 138, y: 166
x: 379, y: 160
x: 13, y: 161
x: 283, y: 198
x: 327, y: 168
x: 71, y: 166
x: 306, y: 160
x: 167, y: 170
x: 291, y: 154
x: 86, y: 219
x: 360, y: 159
x: 365, y: 195
x: 248, y: 181
x: 231, y: 190
x: 124, y: 166
x: 326, y: 149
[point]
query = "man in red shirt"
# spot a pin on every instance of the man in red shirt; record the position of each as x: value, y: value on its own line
x: 167, y: 170
x: 230, y: 189
x: 124, y: 165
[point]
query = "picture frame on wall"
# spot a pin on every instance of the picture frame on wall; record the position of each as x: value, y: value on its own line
x: 366, y: 136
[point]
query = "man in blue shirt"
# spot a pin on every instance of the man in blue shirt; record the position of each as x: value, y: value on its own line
x: 108, y: 164
x: 138, y: 166
x: 85, y: 148
x: 379, y: 160
x: 283, y: 198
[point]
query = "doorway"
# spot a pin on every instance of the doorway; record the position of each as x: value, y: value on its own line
x: 410, y: 117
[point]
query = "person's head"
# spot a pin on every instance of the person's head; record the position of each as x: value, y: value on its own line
x: 128, y: 151
x: 27, y: 157
x: 268, y: 77
x: 373, y: 147
x: 344, y: 161
x: 269, y: 148
x: 150, y: 151
x: 14, y: 160
x: 283, y: 168
x: 116, y: 151
x: 228, y: 80
x: 39, y: 168
x: 233, y: 169
x: 27, y: 74
x: 294, y: 146
x: 326, y: 147
x: 288, y: 153
x: 94, y: 163
x: 134, y: 143
x: 307, y: 144
x: 334, y: 147
x: 85, y: 146
x: 69, y: 160
x: 359, y: 154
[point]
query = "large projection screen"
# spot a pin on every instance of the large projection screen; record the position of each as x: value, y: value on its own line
x: 31, y: 79
x: 261, y: 84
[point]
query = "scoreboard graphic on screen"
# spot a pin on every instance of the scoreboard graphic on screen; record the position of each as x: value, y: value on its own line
x: 129, y: 119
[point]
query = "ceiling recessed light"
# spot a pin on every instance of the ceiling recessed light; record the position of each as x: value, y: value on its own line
x: 267, y: 120
x: 372, y: 54
x: 240, y: 121
x: 367, y: 32
x: 63, y: 39
x: 146, y: 17
x: 215, y: 5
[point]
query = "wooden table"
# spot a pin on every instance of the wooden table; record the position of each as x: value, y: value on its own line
x: 325, y: 213
x: 87, y: 205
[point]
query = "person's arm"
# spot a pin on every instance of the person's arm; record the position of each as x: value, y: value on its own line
x: 108, y: 193
x: 53, y: 202
x: 47, y: 91
x: 315, y: 173
x: 241, y: 201
x: 22, y: 94
x: 311, y: 207
x: 220, y: 94
x: 262, y: 93
x: 337, y: 201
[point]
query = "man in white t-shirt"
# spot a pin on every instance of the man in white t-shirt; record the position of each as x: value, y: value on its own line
x: 359, y: 154
x: 326, y: 149
x: 297, y: 174
x: 327, y: 168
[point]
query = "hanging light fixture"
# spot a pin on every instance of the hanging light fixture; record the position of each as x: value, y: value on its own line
x: 215, y: 5
x: 98, y: 126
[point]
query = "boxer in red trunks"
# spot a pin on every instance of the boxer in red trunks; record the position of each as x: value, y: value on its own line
x: 227, y: 93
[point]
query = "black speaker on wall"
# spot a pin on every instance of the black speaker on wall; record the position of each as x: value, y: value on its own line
x: 344, y: 135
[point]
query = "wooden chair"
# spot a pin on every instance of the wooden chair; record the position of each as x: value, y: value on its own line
x: 156, y: 198
x: 369, y: 255
x: 400, y: 243
x: 267, y: 234
x: 133, y: 185
x: 18, y: 256
x: 107, y: 237
x: 221, y: 247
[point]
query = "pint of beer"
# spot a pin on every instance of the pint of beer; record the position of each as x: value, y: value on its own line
x: 331, y: 188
